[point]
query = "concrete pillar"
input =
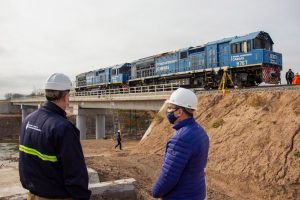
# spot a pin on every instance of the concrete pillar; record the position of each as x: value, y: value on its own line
x: 27, y: 110
x: 100, y: 126
x: 81, y: 125
x: 24, y: 113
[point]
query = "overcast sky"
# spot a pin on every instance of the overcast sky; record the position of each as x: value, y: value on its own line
x: 40, y: 37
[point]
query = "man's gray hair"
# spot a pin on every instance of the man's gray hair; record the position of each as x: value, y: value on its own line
x: 54, y: 95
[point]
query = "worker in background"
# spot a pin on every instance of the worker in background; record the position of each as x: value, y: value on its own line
x: 119, y: 140
x: 182, y: 175
x: 289, y: 75
x: 296, y: 79
x: 52, y: 164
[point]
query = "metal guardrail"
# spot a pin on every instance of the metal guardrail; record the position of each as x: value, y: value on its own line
x: 163, y: 89
x: 130, y: 93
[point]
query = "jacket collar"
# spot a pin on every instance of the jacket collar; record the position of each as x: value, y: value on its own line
x: 183, y: 123
x: 48, y: 105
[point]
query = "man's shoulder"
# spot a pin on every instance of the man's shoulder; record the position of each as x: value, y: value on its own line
x: 58, y: 121
x: 193, y: 133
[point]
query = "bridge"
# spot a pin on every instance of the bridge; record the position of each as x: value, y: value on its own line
x: 99, y: 103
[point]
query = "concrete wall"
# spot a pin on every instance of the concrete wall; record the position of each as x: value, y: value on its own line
x: 7, y: 108
x: 10, y: 127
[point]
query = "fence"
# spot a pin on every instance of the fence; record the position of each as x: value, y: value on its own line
x: 162, y: 89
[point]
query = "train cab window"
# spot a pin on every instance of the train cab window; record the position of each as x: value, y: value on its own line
x: 244, y: 47
x: 233, y: 48
x: 238, y: 47
x: 248, y: 46
x: 183, y: 55
x: 262, y: 44
x: 241, y: 47
x: 268, y: 46
x: 115, y: 72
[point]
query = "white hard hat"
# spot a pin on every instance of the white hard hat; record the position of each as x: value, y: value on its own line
x: 58, y: 81
x: 184, y: 98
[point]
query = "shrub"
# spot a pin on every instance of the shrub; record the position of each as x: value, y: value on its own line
x: 208, y: 116
x: 218, y: 123
x: 297, y: 154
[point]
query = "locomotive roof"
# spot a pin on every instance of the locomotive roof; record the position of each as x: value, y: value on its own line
x: 220, y: 41
x: 252, y: 36
x: 118, y: 66
x: 237, y: 39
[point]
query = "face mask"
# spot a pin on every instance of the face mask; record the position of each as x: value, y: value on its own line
x: 171, y: 117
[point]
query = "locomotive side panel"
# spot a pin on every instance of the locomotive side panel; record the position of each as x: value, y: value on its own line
x: 166, y: 63
x: 223, y: 54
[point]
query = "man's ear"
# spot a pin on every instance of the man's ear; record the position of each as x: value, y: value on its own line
x: 179, y: 112
x: 66, y: 98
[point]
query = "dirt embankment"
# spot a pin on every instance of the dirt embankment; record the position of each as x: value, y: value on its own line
x: 254, y: 143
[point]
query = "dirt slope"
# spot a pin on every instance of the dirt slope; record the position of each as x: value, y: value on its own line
x: 254, y: 143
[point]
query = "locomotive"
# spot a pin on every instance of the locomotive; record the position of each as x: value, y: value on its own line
x: 248, y: 59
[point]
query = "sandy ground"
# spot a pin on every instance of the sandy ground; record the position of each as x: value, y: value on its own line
x: 110, y: 163
x: 9, y: 173
x: 113, y: 164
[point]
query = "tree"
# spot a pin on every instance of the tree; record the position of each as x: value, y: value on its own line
x: 9, y: 96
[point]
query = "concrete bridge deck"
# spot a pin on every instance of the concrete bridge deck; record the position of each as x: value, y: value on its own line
x: 98, y: 103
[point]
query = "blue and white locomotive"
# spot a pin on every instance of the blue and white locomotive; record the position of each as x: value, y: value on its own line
x: 249, y: 59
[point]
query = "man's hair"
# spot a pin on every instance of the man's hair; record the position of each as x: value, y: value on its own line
x: 189, y: 112
x: 54, y: 95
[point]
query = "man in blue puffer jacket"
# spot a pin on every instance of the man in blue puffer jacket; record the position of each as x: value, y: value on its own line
x: 182, y: 175
x: 51, y: 161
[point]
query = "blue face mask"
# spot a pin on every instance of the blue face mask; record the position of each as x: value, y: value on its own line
x: 171, y: 117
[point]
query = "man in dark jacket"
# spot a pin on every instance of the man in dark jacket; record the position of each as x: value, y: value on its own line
x: 182, y: 175
x: 119, y: 140
x: 51, y: 161
x: 289, y: 75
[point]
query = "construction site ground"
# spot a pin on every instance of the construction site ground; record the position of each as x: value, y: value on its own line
x: 114, y: 164
x: 254, y: 148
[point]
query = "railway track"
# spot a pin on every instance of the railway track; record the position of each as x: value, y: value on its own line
x: 263, y: 88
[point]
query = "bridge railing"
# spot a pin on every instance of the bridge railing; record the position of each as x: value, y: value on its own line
x: 162, y: 89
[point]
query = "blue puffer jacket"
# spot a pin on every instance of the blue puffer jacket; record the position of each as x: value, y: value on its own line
x: 51, y: 161
x: 182, y: 174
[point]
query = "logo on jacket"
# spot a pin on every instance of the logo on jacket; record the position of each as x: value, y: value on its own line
x: 30, y: 126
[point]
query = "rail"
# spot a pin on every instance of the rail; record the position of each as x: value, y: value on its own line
x: 155, y: 90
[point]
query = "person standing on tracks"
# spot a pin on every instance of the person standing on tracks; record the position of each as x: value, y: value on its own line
x: 289, y: 75
x: 51, y: 163
x: 182, y: 174
x: 119, y: 140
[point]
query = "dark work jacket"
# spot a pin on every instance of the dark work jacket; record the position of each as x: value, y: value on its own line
x: 51, y: 161
x: 119, y: 136
x: 182, y: 173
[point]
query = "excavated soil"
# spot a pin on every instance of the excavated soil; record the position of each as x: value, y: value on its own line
x: 114, y: 164
x: 254, y: 147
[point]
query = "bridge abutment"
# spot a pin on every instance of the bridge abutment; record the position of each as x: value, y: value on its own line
x: 26, y: 110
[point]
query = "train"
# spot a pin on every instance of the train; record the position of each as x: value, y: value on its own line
x: 248, y: 59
